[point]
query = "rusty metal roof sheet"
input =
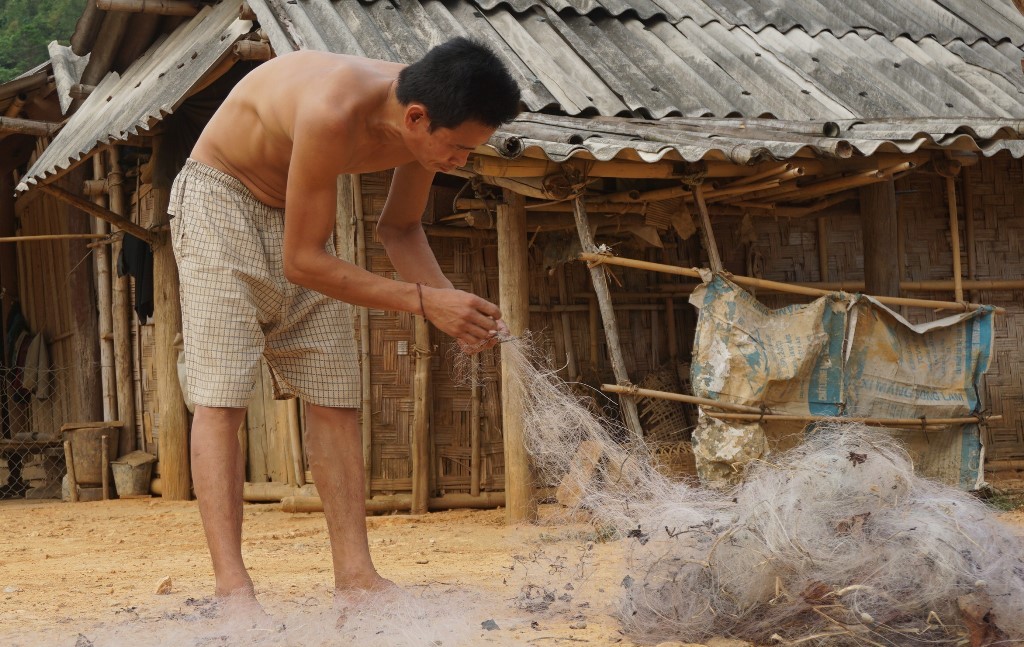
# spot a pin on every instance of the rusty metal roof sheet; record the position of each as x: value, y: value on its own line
x: 746, y: 141
x: 152, y: 87
x: 570, y: 57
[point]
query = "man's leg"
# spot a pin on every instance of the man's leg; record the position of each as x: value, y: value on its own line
x: 218, y: 472
x: 336, y: 460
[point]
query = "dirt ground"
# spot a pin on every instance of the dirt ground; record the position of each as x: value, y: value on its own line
x: 85, y: 575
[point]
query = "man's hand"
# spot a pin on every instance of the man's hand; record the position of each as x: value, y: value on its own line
x: 475, y: 323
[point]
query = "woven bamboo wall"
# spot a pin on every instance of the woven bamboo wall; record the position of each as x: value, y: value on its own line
x: 787, y: 250
x: 43, y: 268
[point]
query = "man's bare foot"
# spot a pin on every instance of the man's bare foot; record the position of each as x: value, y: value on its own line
x: 241, y: 608
x: 358, y: 592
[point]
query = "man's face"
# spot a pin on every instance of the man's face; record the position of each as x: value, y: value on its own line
x: 447, y: 148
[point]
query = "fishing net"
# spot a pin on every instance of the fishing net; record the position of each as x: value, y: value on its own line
x: 835, y: 542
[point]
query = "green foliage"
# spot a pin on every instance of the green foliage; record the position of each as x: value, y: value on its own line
x: 27, y: 26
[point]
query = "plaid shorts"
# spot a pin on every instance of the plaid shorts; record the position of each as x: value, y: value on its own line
x: 237, y: 306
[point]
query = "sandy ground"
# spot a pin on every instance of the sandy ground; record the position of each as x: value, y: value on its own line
x: 86, y: 574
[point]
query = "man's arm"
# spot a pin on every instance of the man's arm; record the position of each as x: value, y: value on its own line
x: 400, y: 230
x: 310, y: 206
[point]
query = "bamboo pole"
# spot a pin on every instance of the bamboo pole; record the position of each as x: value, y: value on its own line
x: 70, y: 464
x: 185, y: 8
x: 104, y: 287
x: 421, y: 419
x: 121, y: 317
x: 954, y: 239
x: 401, y: 502
x: 775, y: 285
x: 708, y: 234
x: 48, y: 237
x: 921, y: 422
x: 679, y: 397
x: 611, y: 328
x: 513, y: 297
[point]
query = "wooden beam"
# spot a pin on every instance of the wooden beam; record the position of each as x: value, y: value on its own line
x: 97, y: 211
x: 611, y: 328
x: 16, y: 126
x: 174, y: 453
x: 878, y: 227
x: 160, y: 7
x: 513, y: 295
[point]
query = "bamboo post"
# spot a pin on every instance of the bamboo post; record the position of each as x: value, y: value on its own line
x: 72, y: 481
x: 513, y: 295
x: 954, y: 239
x: 365, y: 377
x: 121, y: 317
x: 778, y: 286
x: 480, y: 288
x: 105, y: 465
x: 174, y: 452
x: 421, y: 419
x: 708, y: 235
x: 611, y: 328
x: 101, y: 267
x: 474, y: 427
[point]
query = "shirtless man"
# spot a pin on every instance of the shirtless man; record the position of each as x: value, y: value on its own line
x: 254, y: 214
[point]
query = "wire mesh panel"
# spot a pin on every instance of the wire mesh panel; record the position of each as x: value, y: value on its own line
x: 33, y: 405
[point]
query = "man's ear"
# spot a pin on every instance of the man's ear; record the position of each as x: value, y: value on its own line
x: 416, y: 116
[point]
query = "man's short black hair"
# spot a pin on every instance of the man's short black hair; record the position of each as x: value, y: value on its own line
x: 458, y: 81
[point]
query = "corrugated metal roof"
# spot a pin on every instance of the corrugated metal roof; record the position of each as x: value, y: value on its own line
x: 745, y: 141
x: 943, y: 20
x: 611, y: 63
x: 153, y: 86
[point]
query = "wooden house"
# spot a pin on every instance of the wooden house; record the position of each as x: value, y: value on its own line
x: 828, y: 145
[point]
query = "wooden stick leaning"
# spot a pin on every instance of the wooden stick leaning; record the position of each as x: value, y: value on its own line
x: 597, y: 259
x: 72, y: 481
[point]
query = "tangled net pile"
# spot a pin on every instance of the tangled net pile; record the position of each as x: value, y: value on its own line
x: 835, y: 542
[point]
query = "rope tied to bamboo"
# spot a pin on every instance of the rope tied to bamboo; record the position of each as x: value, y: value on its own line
x: 418, y: 352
